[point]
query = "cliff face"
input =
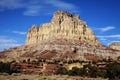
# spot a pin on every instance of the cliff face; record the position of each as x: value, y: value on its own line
x: 115, y: 45
x: 62, y: 26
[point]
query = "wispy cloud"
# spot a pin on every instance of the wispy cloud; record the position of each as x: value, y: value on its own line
x: 3, y: 40
x: 104, y: 29
x: 114, y: 41
x: 35, y: 7
x: 60, y: 4
x: 11, y: 4
x: 6, y: 43
x: 103, y: 39
x: 19, y: 32
x: 110, y: 36
x: 32, y: 10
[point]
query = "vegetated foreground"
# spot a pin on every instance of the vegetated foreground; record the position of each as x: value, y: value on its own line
x: 100, y: 70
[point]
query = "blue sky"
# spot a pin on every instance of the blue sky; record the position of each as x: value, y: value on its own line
x: 16, y: 16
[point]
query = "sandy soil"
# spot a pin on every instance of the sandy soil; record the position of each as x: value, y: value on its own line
x: 38, y: 77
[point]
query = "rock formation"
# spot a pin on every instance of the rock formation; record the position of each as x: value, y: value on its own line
x: 62, y: 26
x: 66, y: 37
x: 115, y: 45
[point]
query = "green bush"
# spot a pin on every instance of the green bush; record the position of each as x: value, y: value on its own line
x: 101, y: 74
x: 87, y: 70
x: 113, y: 71
x: 5, y: 68
x: 74, y: 72
x: 83, y: 72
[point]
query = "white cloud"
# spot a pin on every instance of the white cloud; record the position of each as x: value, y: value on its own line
x: 6, y: 43
x: 35, y: 7
x: 11, y: 4
x: 104, y: 29
x: 110, y: 36
x: 114, y: 41
x: 103, y: 39
x: 2, y: 40
x: 19, y: 32
x: 32, y: 10
x: 60, y: 4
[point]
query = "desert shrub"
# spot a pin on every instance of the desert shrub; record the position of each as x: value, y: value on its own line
x: 87, y: 70
x: 62, y: 71
x: 74, y: 72
x: 91, y: 71
x: 113, y: 71
x: 82, y: 72
x: 70, y: 61
x: 101, y: 74
x: 4, y: 67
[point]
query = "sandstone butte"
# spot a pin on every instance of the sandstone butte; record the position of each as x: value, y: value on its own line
x: 65, y: 37
x: 62, y: 26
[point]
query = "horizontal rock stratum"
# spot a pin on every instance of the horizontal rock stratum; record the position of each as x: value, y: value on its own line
x: 65, y: 37
x: 65, y: 26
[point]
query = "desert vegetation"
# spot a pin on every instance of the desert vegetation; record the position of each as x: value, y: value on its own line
x: 110, y: 69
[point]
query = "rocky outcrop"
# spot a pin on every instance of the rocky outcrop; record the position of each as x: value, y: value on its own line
x: 115, y: 45
x: 62, y: 26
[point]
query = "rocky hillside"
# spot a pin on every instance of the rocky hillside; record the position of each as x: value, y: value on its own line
x: 66, y: 37
x: 115, y: 45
